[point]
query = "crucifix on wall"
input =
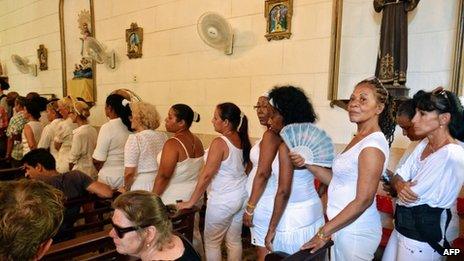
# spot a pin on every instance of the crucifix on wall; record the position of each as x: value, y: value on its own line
x: 392, y: 59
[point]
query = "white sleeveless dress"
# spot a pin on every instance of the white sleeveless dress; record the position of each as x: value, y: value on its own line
x: 224, y: 211
x: 263, y: 211
x: 360, y: 239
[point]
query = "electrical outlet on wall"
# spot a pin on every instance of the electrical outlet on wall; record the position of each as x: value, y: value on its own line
x: 135, y: 78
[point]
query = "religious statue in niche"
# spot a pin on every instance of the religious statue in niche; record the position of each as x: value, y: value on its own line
x: 392, y: 59
x: 83, y: 70
x: 42, y: 55
x: 279, y: 17
x: 134, y: 40
x: 84, y: 21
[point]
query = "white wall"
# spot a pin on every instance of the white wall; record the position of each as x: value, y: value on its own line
x: 176, y: 65
x: 24, y: 25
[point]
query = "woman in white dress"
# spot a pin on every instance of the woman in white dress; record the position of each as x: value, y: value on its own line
x: 262, y: 155
x: 84, y: 140
x: 108, y: 156
x: 354, y: 222
x: 224, y: 173
x: 180, y: 163
x: 49, y: 131
x: 430, y: 180
x: 142, y: 147
x: 63, y: 138
x: 295, y: 211
x: 33, y: 128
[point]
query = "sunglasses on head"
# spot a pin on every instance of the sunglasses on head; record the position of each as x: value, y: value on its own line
x: 121, y: 231
x: 435, y: 94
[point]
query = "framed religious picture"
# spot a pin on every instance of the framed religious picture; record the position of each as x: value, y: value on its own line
x: 42, y: 55
x: 278, y: 14
x: 134, y: 40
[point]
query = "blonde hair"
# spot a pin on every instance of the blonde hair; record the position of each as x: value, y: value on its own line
x: 67, y: 103
x: 53, y: 106
x: 31, y: 213
x: 143, y: 208
x: 82, y: 109
x: 146, y: 113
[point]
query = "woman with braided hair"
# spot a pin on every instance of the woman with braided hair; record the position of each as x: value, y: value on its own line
x: 354, y: 222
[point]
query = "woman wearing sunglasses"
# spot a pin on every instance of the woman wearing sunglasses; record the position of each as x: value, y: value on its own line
x: 141, y: 228
x: 430, y: 180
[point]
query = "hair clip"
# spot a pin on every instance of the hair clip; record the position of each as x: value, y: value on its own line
x: 196, y: 116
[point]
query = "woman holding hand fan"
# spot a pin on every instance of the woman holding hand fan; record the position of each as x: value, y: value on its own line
x: 354, y: 222
x: 297, y: 210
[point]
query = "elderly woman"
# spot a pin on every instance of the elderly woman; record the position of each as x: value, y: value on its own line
x: 430, y: 180
x: 83, y: 141
x: 263, y: 156
x: 64, y: 133
x: 142, y: 147
x: 49, y: 131
x: 354, y: 222
x: 141, y: 228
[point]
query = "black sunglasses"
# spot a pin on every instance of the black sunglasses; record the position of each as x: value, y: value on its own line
x: 121, y: 231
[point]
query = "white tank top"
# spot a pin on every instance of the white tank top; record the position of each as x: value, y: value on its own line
x: 230, y: 177
x: 36, y: 128
x: 184, y: 178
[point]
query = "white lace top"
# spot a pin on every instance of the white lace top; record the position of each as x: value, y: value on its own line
x: 141, y: 150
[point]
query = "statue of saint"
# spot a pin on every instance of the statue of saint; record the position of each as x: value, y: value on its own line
x: 392, y: 59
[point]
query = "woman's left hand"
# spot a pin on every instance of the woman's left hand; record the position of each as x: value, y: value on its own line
x: 269, y: 239
x: 314, y: 244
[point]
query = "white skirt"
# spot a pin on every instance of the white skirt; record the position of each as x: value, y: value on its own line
x: 144, y: 181
x: 299, y: 223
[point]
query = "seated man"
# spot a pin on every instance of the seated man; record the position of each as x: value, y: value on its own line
x: 30, y: 215
x: 39, y: 164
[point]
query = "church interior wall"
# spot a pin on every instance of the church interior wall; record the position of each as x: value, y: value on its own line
x: 177, y: 67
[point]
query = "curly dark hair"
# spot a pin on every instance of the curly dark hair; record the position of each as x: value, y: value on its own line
x: 293, y: 104
x: 387, y: 122
x: 443, y: 101
x: 407, y: 108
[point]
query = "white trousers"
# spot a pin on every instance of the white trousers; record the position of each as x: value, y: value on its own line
x: 223, y: 221
x: 401, y: 248
x: 354, y: 245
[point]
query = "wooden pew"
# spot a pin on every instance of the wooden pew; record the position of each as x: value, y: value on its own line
x: 100, y: 246
x: 11, y: 174
x: 99, y: 241
x: 302, y: 255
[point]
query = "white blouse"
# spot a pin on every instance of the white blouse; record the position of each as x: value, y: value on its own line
x: 48, y: 133
x: 83, y: 144
x: 110, y: 147
x: 439, y: 177
x: 141, y: 150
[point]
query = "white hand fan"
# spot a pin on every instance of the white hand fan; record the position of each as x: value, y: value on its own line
x: 311, y: 142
